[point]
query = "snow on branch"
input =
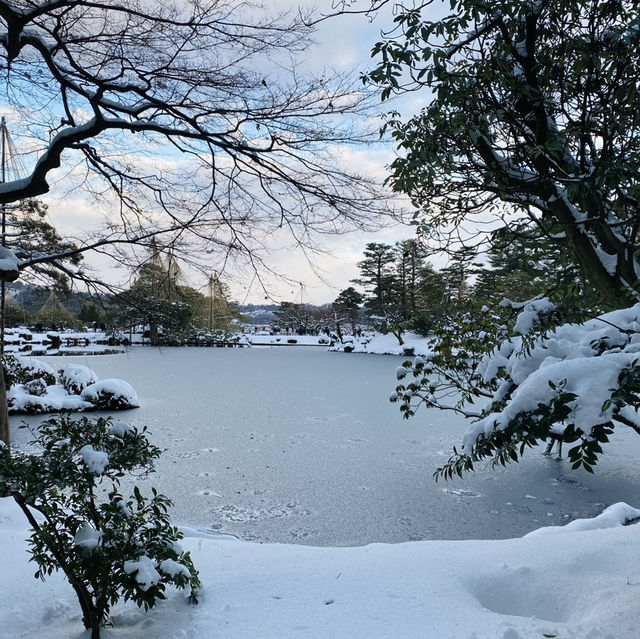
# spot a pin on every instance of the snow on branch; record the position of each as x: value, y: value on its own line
x: 576, y: 381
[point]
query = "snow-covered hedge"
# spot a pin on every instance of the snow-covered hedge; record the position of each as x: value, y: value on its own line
x: 379, y: 344
x: 33, y: 388
x: 19, y: 370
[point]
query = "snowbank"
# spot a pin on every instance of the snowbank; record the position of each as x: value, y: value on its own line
x: 573, y: 584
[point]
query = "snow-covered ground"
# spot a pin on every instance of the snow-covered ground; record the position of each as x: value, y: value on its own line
x: 572, y: 583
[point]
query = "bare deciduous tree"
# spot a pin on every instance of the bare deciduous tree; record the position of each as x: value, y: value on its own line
x: 192, y: 113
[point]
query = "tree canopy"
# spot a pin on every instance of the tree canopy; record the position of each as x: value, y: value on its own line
x: 527, y: 146
x: 531, y: 112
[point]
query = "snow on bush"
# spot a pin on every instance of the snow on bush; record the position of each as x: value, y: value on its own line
x: 107, y: 545
x: 120, y: 429
x: 111, y: 394
x: 144, y: 572
x: 387, y: 344
x: 76, y: 378
x: 33, y: 389
x: 87, y: 536
x: 56, y: 398
x: 36, y: 387
x: 95, y: 460
x: 19, y: 370
x: 577, y: 380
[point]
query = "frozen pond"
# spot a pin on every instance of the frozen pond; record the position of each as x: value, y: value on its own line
x: 301, y: 445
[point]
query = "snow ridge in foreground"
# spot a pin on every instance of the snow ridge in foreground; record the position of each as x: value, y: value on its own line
x: 580, y: 582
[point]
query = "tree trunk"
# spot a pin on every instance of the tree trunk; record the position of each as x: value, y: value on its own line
x: 4, y: 414
x: 153, y: 334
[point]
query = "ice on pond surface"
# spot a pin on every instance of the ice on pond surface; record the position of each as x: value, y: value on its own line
x: 301, y: 445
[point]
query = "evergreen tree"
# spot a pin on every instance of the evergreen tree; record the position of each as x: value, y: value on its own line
x: 457, y: 277
x: 347, y: 307
x: 379, y: 279
x: 411, y: 255
x: 521, y: 268
x: 31, y: 235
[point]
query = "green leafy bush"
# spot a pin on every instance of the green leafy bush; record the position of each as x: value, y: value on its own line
x: 108, y: 546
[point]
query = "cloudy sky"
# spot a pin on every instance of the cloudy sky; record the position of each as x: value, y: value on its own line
x: 342, y: 44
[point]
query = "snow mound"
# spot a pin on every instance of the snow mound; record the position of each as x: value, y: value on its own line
x: 34, y: 389
x: 21, y: 369
x: 379, y: 344
x: 111, y: 394
x: 619, y: 514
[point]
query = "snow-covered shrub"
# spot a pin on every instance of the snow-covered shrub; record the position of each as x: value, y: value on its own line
x: 54, y: 399
x: 76, y: 378
x: 33, y: 388
x: 108, y: 546
x: 20, y: 400
x: 19, y: 370
x: 111, y: 394
x: 36, y: 387
x: 579, y: 380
